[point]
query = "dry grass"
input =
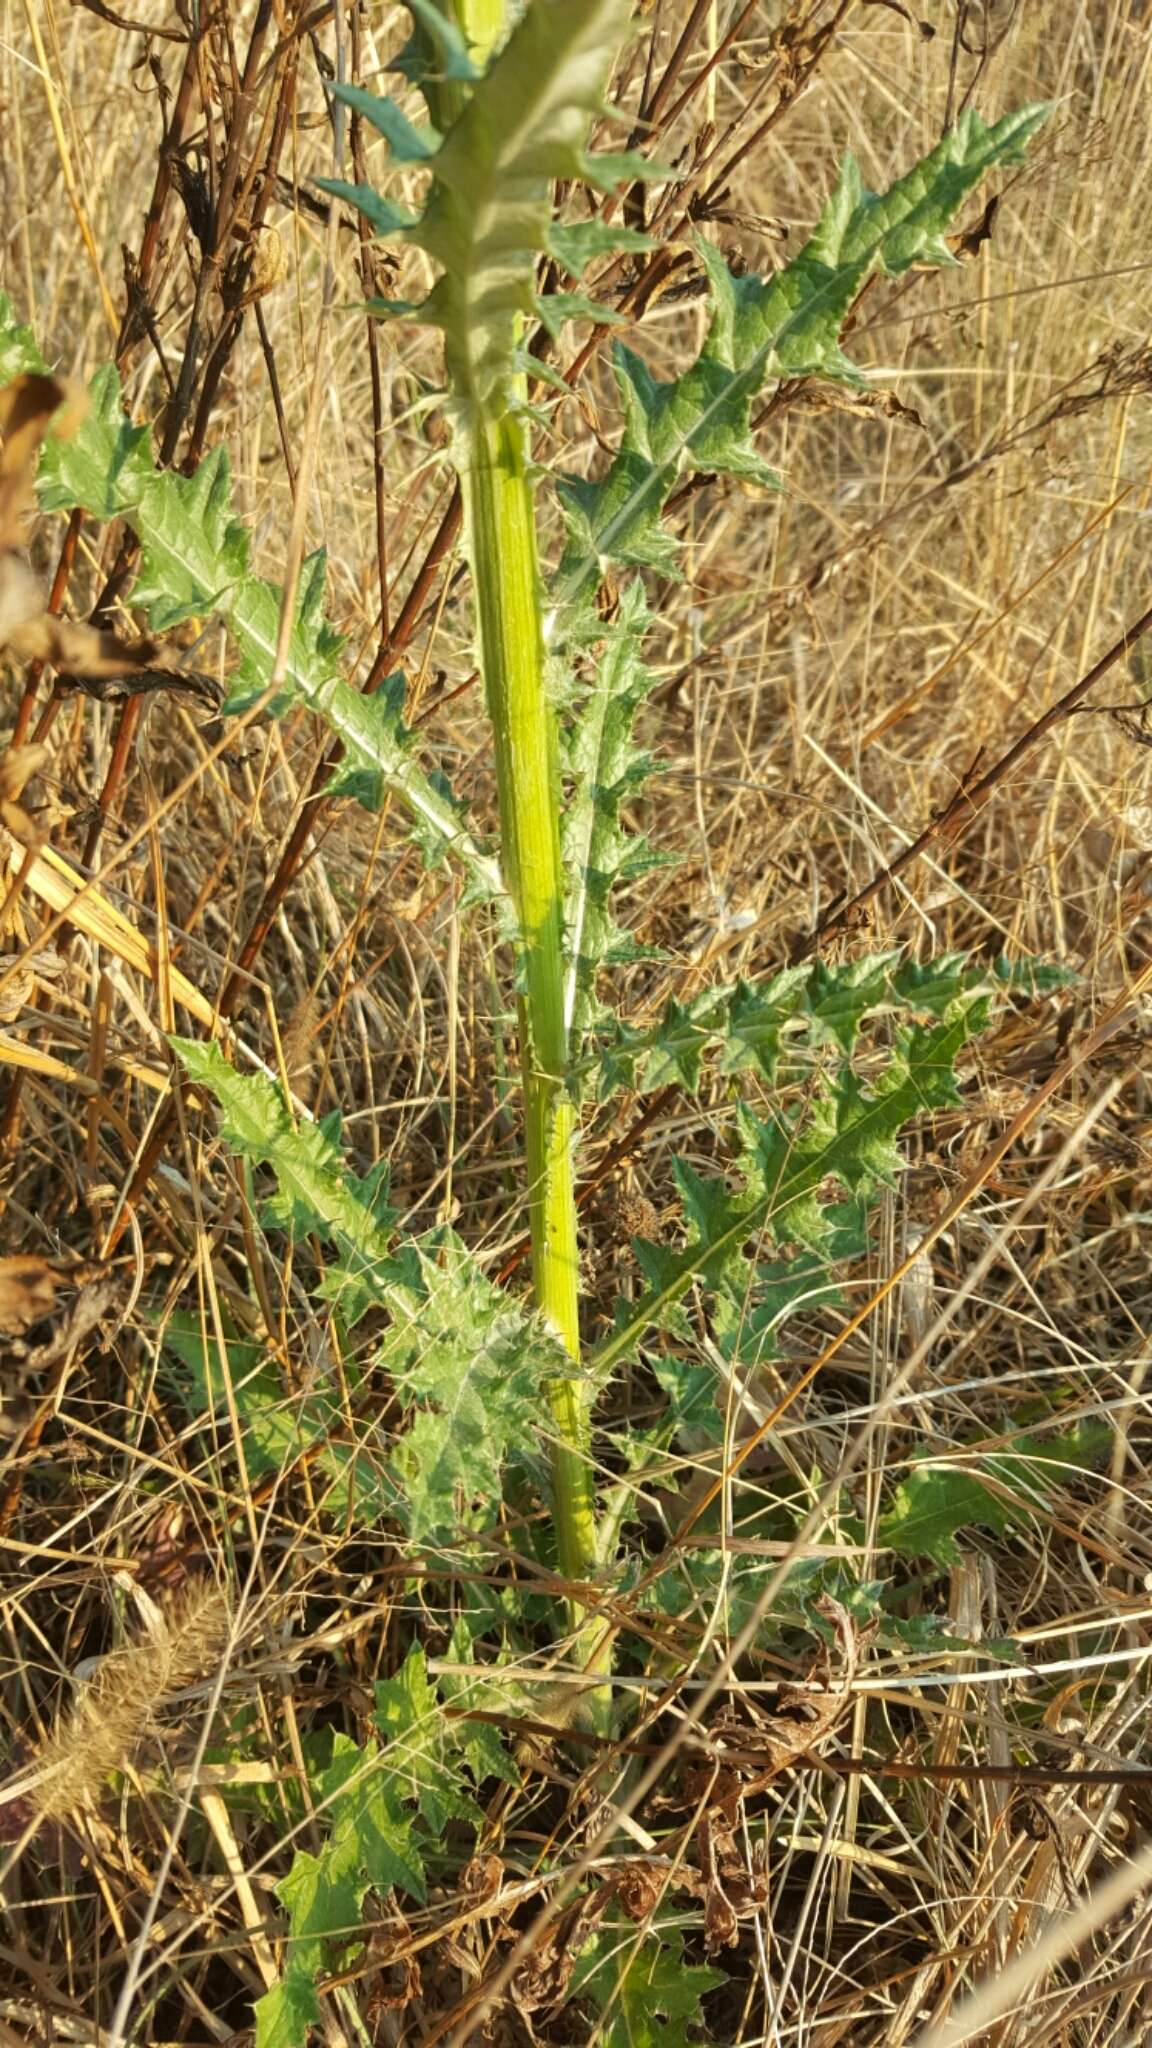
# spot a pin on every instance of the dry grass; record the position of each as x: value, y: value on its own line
x: 835, y: 662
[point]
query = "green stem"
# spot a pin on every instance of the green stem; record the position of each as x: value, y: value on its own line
x: 493, y: 461
x: 502, y: 535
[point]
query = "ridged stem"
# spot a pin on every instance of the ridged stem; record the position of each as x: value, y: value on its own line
x: 502, y: 538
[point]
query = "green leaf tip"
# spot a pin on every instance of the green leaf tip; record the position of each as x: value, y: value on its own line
x: 408, y: 144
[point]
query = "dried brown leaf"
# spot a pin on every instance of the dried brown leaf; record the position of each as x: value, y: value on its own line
x: 27, y: 1293
x: 17, y: 767
x: 639, y: 1888
x: 541, y: 1981
x: 482, y: 1878
x: 81, y: 1317
x: 85, y: 651
x: 721, y: 1926
x: 803, y: 1717
x: 21, y: 974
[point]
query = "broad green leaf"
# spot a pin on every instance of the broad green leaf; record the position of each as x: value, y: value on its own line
x: 105, y: 465
x: 785, y: 326
x: 555, y: 308
x: 421, y: 1744
x: 932, y: 1504
x: 286, y: 2013
x: 939, y: 1498
x: 376, y: 1809
x: 19, y: 355
x: 370, y: 1833
x: 646, y: 1992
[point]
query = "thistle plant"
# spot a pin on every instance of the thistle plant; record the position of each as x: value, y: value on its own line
x: 519, y: 122
x: 480, y: 1374
x: 510, y: 114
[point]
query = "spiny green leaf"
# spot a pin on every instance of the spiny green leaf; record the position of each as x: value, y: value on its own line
x: 315, y: 1190
x: 369, y: 1832
x: 692, y: 1400
x: 606, y: 169
x: 489, y: 1688
x: 489, y: 210
x: 793, y: 1013
x: 368, y: 1844
x: 195, y: 553
x: 939, y: 1498
x: 470, y: 1369
x: 467, y: 1363
x: 846, y: 1136
x: 747, y: 1317
x: 785, y: 326
x: 323, y: 1895
x: 195, y: 557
